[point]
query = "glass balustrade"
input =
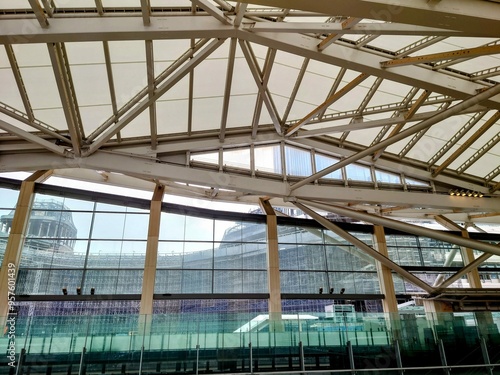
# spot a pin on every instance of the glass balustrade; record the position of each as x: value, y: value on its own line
x: 252, y: 343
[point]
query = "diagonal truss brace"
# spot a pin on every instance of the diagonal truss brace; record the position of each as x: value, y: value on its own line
x: 351, y: 21
x: 39, y: 13
x: 474, y: 137
x: 367, y: 249
x: 457, y: 108
x: 332, y: 99
x: 411, y: 112
x: 67, y: 94
x: 452, y: 55
x: 33, y: 138
x: 213, y: 11
x: 146, y: 102
x: 263, y: 90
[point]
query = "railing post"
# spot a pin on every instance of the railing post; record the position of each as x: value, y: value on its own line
x: 301, y: 357
x: 197, y: 358
x: 399, y: 362
x: 486, y: 356
x: 140, y: 359
x: 442, y: 354
x: 81, y: 369
x: 351, y: 357
x: 251, y: 357
x: 19, y: 369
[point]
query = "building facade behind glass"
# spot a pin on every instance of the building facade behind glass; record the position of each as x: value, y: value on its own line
x: 99, y: 241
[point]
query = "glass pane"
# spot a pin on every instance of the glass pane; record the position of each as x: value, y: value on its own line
x: 172, y: 226
x: 228, y: 282
x: 358, y: 173
x: 254, y: 256
x: 8, y: 198
x: 228, y: 256
x: 136, y: 226
x: 268, y: 159
x: 108, y: 225
x: 323, y: 162
x: 197, y: 255
x: 237, y: 158
x: 298, y: 162
x: 170, y: 254
x: 311, y: 257
x: 386, y: 177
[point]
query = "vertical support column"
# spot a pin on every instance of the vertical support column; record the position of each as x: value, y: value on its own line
x: 148, y: 281
x: 17, y: 235
x: 389, y: 303
x: 273, y: 264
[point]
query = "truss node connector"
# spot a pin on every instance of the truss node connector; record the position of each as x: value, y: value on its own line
x: 290, y: 199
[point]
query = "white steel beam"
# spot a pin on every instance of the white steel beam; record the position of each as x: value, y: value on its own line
x: 67, y: 94
x: 364, y: 103
x: 39, y: 13
x: 368, y: 63
x: 227, y: 88
x: 348, y: 23
x: 240, y: 13
x: 408, y: 115
x: 143, y: 93
x: 19, y: 81
x: 150, y: 64
x: 99, y: 29
x: 263, y: 91
x: 479, y: 17
x: 146, y: 102
x: 328, y: 102
x: 295, y: 90
x: 405, y: 133
x: 474, y: 137
x: 150, y: 169
x: 146, y: 12
x: 33, y: 139
x: 265, y: 74
x: 213, y: 11
x: 337, y: 30
x: 451, y: 55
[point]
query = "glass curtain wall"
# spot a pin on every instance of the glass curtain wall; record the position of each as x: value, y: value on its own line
x: 8, y: 201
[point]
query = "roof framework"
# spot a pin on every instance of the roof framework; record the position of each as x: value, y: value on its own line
x: 195, y: 94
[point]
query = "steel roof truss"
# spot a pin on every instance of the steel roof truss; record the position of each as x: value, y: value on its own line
x: 39, y: 13
x: 403, y: 108
x: 60, y: 65
x: 146, y: 12
x: 111, y: 84
x: 240, y: 13
x: 19, y: 81
x: 369, y: 95
x: 213, y: 11
x: 457, y: 136
x: 452, y: 55
x: 348, y: 23
x: 407, y: 116
x: 33, y: 138
x: 161, y: 89
x: 150, y: 63
x: 266, y: 73
x: 474, y: 137
x: 401, y: 135
x: 418, y: 45
x: 142, y: 94
x: 479, y: 153
x: 227, y: 88
x: 295, y: 89
x: 263, y: 91
x: 329, y: 101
